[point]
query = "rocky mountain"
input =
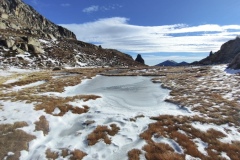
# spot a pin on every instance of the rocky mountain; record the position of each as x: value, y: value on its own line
x: 140, y: 59
x: 235, y: 64
x: 16, y: 15
x: 167, y: 63
x: 226, y: 54
x: 27, y: 39
x: 172, y: 63
x: 183, y: 63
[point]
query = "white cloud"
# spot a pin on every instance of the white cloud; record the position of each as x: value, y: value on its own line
x: 65, y: 4
x: 91, y: 9
x: 96, y: 8
x: 117, y: 33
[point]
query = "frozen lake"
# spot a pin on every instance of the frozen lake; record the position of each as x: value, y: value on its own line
x: 126, y: 93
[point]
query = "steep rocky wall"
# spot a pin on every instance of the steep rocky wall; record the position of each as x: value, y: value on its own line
x: 226, y: 54
x: 235, y: 64
x: 16, y: 15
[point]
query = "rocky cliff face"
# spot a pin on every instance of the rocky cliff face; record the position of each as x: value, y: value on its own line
x: 226, y: 54
x: 27, y: 39
x: 235, y: 64
x: 16, y: 15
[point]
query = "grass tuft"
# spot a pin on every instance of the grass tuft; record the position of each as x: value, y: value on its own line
x: 42, y: 125
x: 102, y: 132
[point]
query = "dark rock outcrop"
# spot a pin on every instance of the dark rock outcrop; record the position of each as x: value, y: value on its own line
x: 235, y: 64
x: 139, y: 59
x: 225, y: 55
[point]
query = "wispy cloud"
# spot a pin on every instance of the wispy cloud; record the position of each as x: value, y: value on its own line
x: 117, y: 33
x: 35, y: 2
x: 65, y: 4
x: 96, y: 8
x: 91, y: 9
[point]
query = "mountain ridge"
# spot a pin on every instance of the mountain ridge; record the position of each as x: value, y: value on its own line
x: 227, y: 53
x: 172, y: 63
x: 17, y: 15
x: 27, y: 39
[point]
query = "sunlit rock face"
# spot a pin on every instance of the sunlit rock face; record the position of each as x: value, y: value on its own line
x: 16, y: 15
x: 29, y: 40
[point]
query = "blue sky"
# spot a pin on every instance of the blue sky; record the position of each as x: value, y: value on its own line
x: 180, y: 30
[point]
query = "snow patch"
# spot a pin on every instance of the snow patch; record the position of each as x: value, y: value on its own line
x: 16, y: 88
x: 177, y: 148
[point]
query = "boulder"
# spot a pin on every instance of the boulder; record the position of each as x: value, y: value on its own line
x: 35, y: 49
x: 8, y: 43
x: 20, y: 51
x: 33, y: 41
x: 23, y: 46
x: 3, y: 25
x: 4, y: 16
x: 14, y: 47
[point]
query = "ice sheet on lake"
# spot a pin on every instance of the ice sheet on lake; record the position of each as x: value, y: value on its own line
x: 128, y: 94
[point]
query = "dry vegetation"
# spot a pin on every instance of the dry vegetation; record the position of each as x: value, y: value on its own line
x: 42, y: 125
x: 156, y: 151
x: 169, y: 126
x: 102, y: 132
x: 65, y: 153
x: 14, y: 140
x: 195, y: 89
x: 199, y: 89
x: 134, y: 154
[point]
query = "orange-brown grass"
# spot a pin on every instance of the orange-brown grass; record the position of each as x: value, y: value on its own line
x: 74, y: 155
x: 99, y: 133
x: 33, y: 77
x: 211, y: 137
x: 51, y: 85
x: 157, y: 151
x: 14, y: 140
x: 185, y: 84
x: 190, y: 146
x: 102, y: 132
x: 188, y: 90
x: 51, y: 154
x: 77, y: 155
x: 168, y: 126
x: 50, y: 103
x: 42, y: 125
x: 134, y: 154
